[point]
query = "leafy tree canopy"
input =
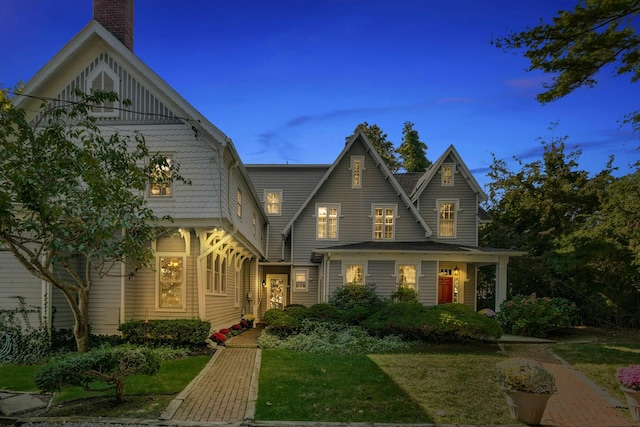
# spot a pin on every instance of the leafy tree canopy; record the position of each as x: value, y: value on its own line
x: 69, y: 195
x: 579, y: 43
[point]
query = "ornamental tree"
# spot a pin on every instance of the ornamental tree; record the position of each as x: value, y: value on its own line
x: 72, y: 200
x: 579, y: 43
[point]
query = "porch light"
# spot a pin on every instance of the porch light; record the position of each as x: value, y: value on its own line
x: 456, y: 270
x: 264, y: 283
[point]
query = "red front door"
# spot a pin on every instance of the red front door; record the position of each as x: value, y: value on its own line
x: 445, y: 289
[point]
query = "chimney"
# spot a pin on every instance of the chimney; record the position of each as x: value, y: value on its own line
x: 117, y: 17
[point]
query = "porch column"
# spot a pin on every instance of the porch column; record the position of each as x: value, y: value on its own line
x: 501, y: 281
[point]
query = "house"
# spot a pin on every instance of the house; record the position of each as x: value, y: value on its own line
x: 355, y: 221
x: 247, y: 238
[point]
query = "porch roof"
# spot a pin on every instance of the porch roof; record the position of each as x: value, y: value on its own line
x: 403, y: 247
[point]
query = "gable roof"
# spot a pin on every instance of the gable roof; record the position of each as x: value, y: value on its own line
x: 46, y: 83
x: 435, y: 168
x: 380, y: 164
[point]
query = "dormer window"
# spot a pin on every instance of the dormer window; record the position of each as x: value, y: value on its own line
x: 104, y: 79
x: 160, y: 185
x: 446, y: 174
x: 357, y: 164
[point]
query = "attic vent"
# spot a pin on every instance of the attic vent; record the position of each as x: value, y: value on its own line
x: 103, y: 78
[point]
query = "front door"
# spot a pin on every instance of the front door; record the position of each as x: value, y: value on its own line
x: 445, y: 289
x: 277, y: 288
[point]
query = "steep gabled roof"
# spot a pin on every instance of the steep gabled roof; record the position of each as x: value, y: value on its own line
x: 46, y: 83
x: 435, y: 168
x: 383, y: 167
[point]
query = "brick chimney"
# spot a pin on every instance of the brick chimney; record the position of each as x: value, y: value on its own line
x: 117, y: 17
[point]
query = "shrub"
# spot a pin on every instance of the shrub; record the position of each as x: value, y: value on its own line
x: 281, y: 323
x: 404, y: 294
x: 357, y: 301
x: 189, y: 333
x: 325, y: 312
x: 109, y: 364
x: 445, y: 322
x: 334, y: 338
x: 537, y: 317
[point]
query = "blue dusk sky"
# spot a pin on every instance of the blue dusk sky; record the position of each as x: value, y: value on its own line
x: 288, y: 80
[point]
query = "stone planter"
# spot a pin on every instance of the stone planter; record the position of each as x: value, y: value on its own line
x: 527, y: 407
x: 633, y: 400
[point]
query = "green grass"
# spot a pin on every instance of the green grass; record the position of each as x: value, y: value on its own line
x: 450, y: 384
x: 334, y: 388
x: 18, y: 377
x: 599, y: 362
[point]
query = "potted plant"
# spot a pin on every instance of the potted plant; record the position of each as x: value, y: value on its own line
x: 629, y: 380
x: 527, y: 386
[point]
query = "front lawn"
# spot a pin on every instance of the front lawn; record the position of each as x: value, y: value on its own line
x: 452, y: 384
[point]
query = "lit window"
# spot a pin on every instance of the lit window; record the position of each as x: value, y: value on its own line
x: 447, y: 175
x: 354, y: 273
x: 104, y: 79
x: 407, y: 274
x: 327, y: 222
x: 383, y: 220
x: 239, y: 203
x: 171, y: 282
x: 447, y: 219
x: 160, y: 185
x: 273, y: 201
x: 356, y: 171
x: 300, y: 280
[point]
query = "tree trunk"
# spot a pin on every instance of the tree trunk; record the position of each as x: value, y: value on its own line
x: 120, y: 391
x: 81, y: 327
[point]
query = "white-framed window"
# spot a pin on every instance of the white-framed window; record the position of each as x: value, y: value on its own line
x: 254, y: 224
x: 300, y: 280
x: 357, y: 165
x: 239, y: 203
x: 327, y: 222
x: 170, y: 289
x: 383, y: 222
x: 354, y: 272
x: 105, y: 79
x: 447, y: 216
x: 160, y: 181
x: 217, y: 277
x: 210, y: 261
x: 407, y: 275
x: 447, y: 173
x: 273, y: 202
x: 238, y: 288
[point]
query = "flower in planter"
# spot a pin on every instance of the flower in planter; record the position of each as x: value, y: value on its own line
x: 244, y: 324
x: 629, y: 377
x: 236, y: 327
x: 526, y: 376
x: 224, y: 331
x: 218, y: 338
x: 249, y: 317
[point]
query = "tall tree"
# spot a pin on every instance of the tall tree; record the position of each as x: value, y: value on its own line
x: 580, y: 43
x: 412, y: 151
x: 71, y: 200
x: 383, y: 146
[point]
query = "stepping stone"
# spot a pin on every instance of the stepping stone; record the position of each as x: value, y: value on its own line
x: 20, y: 403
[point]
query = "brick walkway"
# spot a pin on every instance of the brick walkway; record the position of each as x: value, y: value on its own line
x: 578, y: 402
x: 226, y: 389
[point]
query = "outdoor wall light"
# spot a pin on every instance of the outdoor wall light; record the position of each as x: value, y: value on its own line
x: 264, y: 283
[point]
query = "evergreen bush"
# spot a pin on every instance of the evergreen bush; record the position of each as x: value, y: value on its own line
x: 189, y: 333
x: 109, y: 364
x: 536, y: 317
